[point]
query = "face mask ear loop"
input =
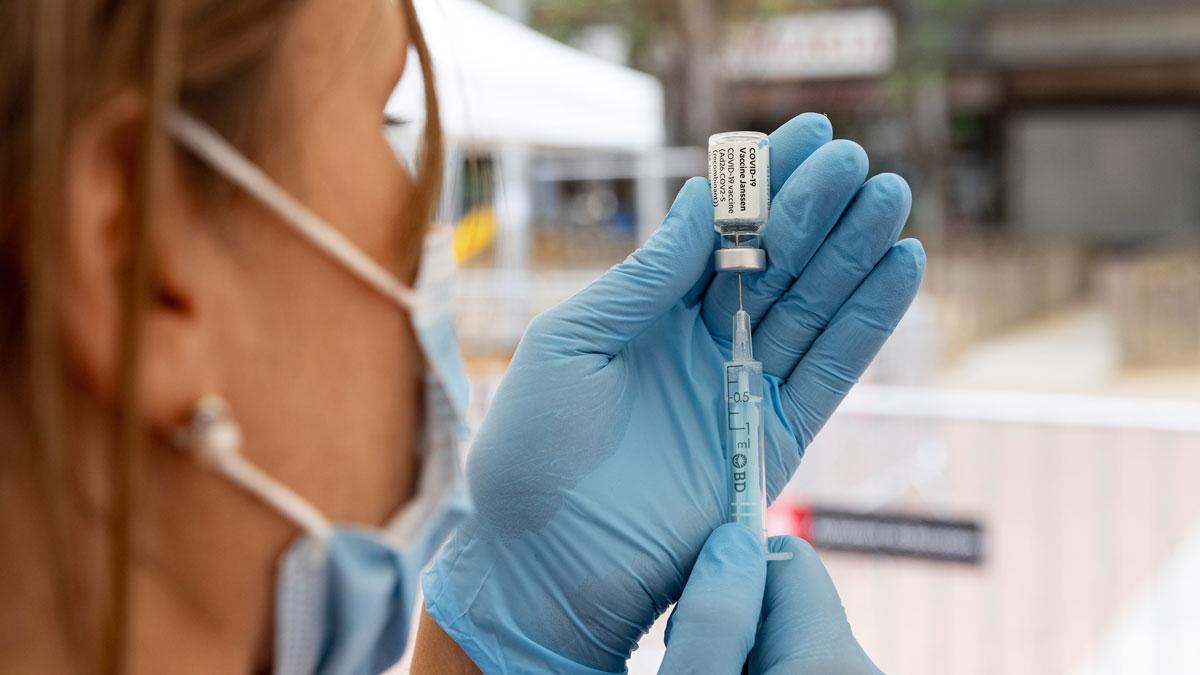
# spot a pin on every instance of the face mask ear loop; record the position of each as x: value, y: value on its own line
x: 209, y: 146
x: 216, y: 441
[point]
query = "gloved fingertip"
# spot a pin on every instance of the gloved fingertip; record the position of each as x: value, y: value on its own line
x: 694, y: 199
x: 687, y: 229
x: 798, y: 547
x: 845, y: 159
x: 793, y: 142
x: 805, y: 129
x: 733, y: 541
x: 818, y: 122
x: 915, y: 252
x: 733, y: 556
x: 695, y: 183
x: 802, y: 576
x: 892, y: 190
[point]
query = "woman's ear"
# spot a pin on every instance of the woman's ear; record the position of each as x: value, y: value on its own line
x: 101, y: 202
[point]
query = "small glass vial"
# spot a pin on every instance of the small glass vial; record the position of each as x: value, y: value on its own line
x: 739, y: 172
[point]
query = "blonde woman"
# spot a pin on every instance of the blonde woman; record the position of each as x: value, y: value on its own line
x: 230, y: 394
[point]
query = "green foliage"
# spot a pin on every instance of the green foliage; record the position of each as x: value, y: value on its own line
x: 929, y: 36
x: 929, y: 28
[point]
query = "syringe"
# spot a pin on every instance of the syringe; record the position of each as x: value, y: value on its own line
x: 739, y: 173
x: 744, y: 425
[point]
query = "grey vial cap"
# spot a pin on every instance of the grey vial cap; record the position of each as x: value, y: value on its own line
x: 740, y: 259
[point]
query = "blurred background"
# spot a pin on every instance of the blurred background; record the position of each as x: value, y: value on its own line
x: 1010, y: 490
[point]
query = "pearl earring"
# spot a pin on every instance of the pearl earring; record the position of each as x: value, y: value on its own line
x: 211, y: 433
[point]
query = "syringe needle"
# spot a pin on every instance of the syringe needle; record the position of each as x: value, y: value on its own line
x: 739, y: 291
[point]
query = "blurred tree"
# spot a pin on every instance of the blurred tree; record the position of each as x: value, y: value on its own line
x: 679, y: 41
x: 931, y: 33
x: 672, y: 39
x: 676, y: 40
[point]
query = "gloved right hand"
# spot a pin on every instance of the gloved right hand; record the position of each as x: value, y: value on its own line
x: 598, y: 476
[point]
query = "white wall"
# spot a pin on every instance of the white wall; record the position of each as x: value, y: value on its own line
x: 1106, y: 174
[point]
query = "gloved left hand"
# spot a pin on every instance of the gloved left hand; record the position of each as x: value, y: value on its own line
x: 597, y: 475
x: 804, y: 627
x: 801, y: 628
x: 795, y: 622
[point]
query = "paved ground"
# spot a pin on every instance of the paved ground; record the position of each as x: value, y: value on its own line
x: 1071, y: 351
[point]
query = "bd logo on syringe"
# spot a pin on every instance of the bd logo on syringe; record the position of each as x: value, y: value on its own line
x: 739, y: 477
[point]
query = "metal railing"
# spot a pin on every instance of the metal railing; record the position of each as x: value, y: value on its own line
x: 1090, y: 521
x: 1089, y: 515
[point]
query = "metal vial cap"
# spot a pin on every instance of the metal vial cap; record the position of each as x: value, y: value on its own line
x: 740, y: 259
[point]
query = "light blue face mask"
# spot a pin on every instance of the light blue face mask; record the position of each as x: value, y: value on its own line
x: 344, y: 593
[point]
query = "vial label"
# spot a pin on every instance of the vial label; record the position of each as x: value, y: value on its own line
x: 737, y: 172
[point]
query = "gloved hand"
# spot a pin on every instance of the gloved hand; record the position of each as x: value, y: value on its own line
x: 803, y: 626
x: 597, y: 476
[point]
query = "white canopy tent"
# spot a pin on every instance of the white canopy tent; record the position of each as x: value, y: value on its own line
x: 507, y: 92
x: 502, y: 83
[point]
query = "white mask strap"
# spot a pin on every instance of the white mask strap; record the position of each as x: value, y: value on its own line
x: 216, y: 441
x: 209, y: 146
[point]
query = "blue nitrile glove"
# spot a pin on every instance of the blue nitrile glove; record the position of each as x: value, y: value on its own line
x: 712, y: 629
x: 801, y: 623
x: 598, y: 475
x: 804, y: 627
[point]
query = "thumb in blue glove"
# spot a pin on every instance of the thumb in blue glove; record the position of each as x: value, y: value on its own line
x: 712, y: 629
x: 804, y: 627
x: 801, y: 624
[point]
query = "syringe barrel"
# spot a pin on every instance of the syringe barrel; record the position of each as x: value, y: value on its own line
x: 744, y: 451
x: 739, y: 173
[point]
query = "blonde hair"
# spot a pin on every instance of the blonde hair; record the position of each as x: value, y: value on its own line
x: 60, y: 58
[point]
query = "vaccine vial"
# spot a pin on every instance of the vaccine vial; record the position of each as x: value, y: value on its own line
x: 739, y: 172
